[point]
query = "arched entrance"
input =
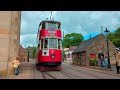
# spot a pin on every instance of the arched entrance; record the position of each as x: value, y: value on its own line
x: 9, y: 40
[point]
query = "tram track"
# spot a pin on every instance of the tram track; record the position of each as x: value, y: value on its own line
x: 67, y: 74
x: 44, y: 76
x: 102, y: 72
x: 84, y: 73
x: 63, y: 72
x: 95, y: 71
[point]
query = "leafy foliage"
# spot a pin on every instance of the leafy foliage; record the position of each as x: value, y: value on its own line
x: 34, y: 53
x: 73, y: 39
x: 115, y: 37
x: 93, y: 62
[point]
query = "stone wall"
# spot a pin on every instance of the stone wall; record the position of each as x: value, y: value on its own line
x: 9, y: 40
x: 100, y: 44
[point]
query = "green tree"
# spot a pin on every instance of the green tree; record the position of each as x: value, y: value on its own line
x: 73, y: 39
x: 115, y: 37
x: 34, y: 53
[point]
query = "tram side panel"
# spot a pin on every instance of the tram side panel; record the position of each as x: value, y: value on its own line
x: 44, y: 33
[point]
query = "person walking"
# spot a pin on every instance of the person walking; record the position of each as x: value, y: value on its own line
x: 16, y: 64
x: 101, y: 58
x: 117, y: 56
x: 105, y: 62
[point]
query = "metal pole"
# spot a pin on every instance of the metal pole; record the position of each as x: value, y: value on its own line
x: 101, y: 29
x: 28, y: 57
x: 63, y: 46
x: 108, y: 54
x: 51, y: 15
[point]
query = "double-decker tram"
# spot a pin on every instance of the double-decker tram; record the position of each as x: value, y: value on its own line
x: 49, y: 49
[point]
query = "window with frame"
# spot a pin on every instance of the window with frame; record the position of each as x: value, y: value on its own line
x: 68, y: 55
x: 53, y: 43
x: 46, y: 43
x: 51, y: 25
x: 41, y: 43
x: 59, y: 44
x: 43, y: 26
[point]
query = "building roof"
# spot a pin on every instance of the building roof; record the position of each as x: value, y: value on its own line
x: 65, y: 49
x: 72, y: 48
x: 85, y: 44
x: 22, y: 50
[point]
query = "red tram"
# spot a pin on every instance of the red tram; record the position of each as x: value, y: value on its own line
x: 49, y: 51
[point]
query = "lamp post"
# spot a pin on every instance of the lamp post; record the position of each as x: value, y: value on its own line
x: 106, y: 31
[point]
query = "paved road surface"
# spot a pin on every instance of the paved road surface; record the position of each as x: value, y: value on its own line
x: 28, y: 71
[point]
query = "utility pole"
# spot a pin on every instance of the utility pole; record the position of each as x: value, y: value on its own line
x: 63, y: 47
x: 28, y: 56
x: 101, y: 29
x: 25, y: 44
x: 90, y: 36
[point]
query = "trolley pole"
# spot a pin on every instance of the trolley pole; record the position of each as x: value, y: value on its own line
x: 51, y: 15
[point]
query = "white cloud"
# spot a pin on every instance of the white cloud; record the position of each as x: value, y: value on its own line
x: 84, y: 22
x: 28, y: 40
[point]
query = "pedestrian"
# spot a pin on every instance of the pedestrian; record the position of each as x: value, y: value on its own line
x: 117, y: 56
x: 16, y: 64
x: 105, y: 62
x: 101, y: 58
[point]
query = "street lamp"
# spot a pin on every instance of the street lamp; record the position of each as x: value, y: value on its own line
x: 106, y: 31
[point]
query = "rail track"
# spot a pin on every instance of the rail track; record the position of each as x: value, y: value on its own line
x: 83, y: 73
x: 67, y: 74
x: 44, y: 76
x: 95, y: 71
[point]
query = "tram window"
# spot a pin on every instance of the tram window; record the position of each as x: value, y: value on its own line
x: 45, y: 43
x: 52, y: 26
x: 43, y: 25
x: 59, y: 44
x: 41, y: 43
x: 38, y: 45
x: 52, y: 43
x: 59, y: 27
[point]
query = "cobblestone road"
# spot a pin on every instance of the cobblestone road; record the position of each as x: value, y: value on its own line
x: 28, y: 71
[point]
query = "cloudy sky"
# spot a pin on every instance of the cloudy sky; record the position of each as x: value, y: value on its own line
x: 84, y: 22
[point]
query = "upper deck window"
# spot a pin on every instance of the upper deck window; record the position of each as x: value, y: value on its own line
x: 52, y: 25
x: 49, y: 25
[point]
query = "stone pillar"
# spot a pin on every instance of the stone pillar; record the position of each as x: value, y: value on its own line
x: 9, y: 40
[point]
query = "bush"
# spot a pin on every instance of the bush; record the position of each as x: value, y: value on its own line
x: 93, y: 62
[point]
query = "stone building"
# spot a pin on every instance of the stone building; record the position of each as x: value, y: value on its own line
x: 23, y: 54
x: 90, y: 48
x: 9, y: 40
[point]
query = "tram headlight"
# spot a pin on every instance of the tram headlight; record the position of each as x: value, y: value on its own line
x: 52, y: 56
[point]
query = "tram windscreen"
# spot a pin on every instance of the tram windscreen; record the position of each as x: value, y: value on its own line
x: 52, y: 26
x: 52, y: 43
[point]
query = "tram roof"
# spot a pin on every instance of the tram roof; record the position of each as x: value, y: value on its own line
x: 50, y: 21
